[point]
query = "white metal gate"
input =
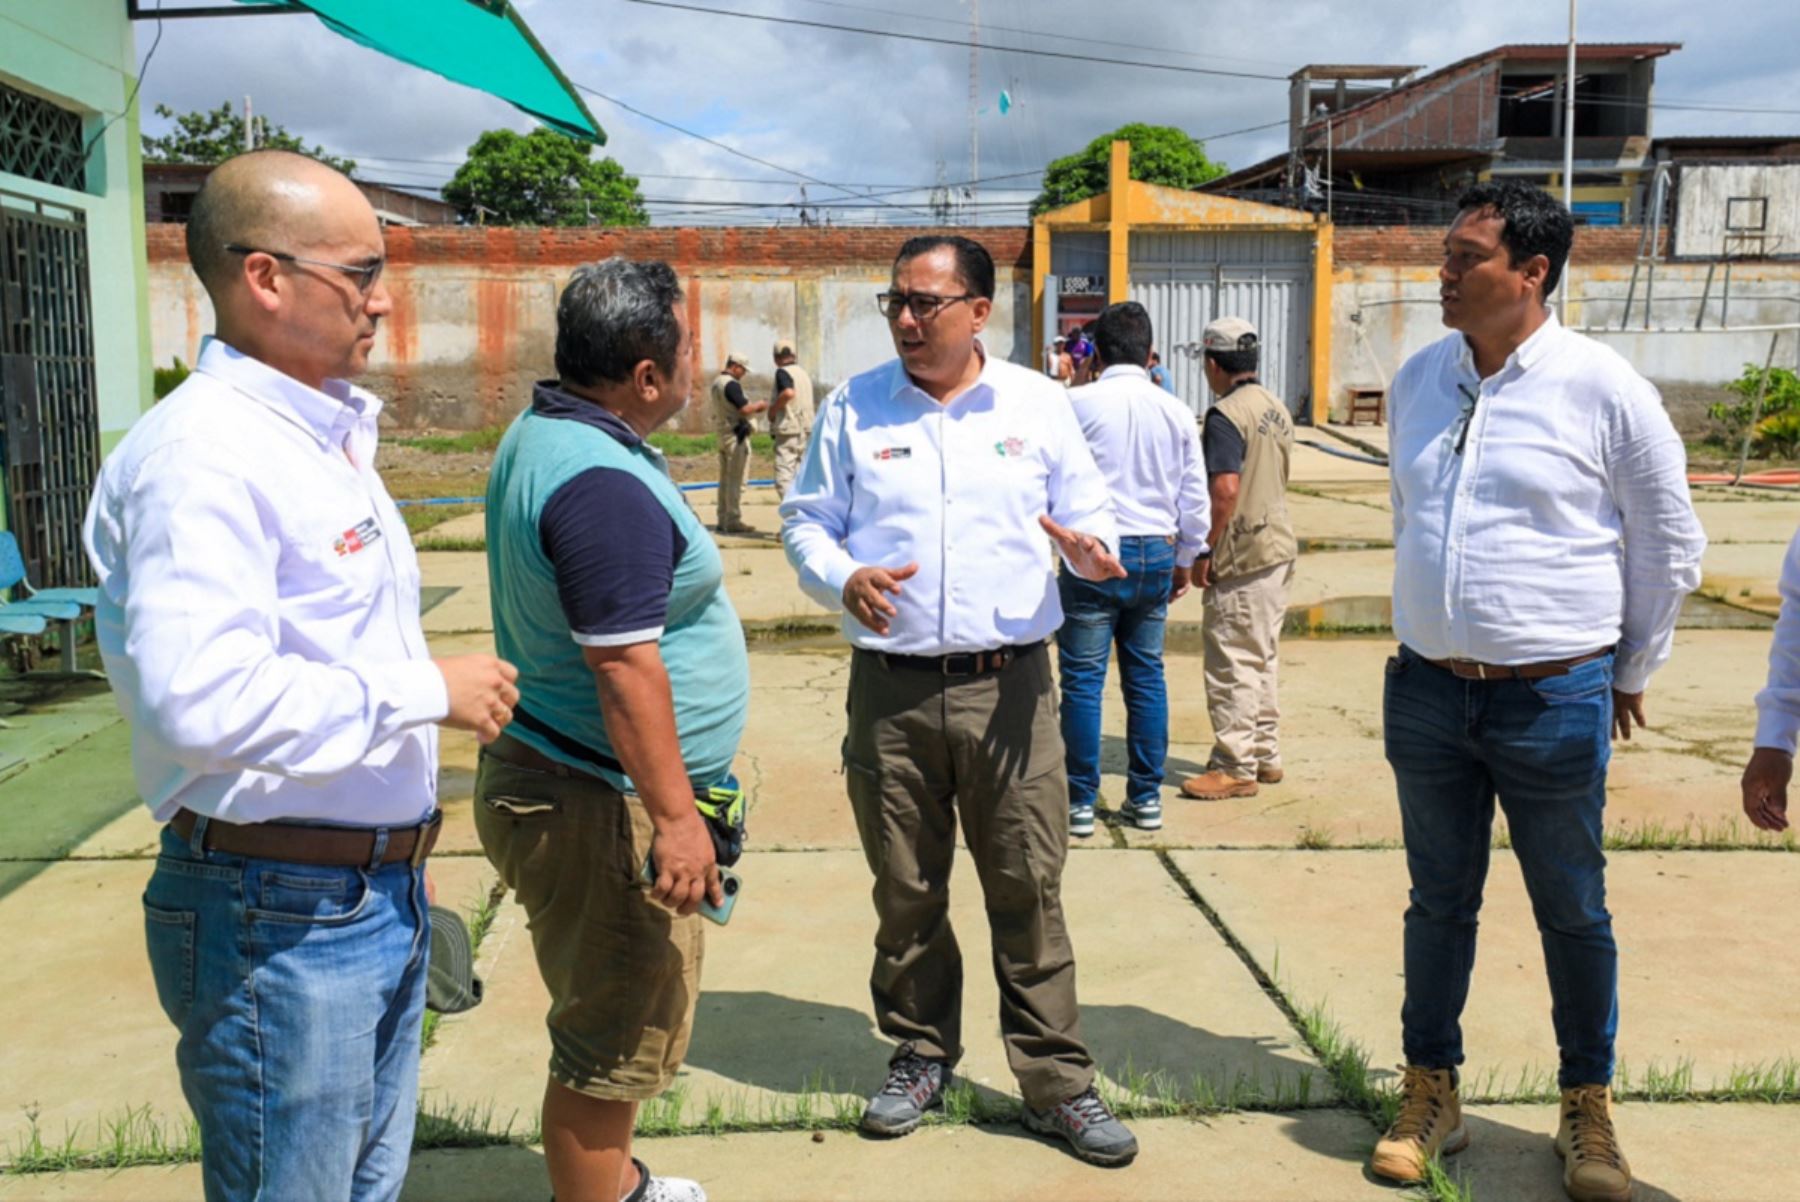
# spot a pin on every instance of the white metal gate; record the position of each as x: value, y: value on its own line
x: 1186, y: 280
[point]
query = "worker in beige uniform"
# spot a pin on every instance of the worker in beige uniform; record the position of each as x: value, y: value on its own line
x: 790, y: 414
x: 1247, y: 441
x: 731, y: 414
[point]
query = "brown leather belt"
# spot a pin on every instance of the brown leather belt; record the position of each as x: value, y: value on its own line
x: 326, y: 846
x: 960, y: 663
x: 1468, y: 669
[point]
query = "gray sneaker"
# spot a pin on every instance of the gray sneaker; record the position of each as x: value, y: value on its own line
x: 914, y: 1085
x: 1091, y: 1129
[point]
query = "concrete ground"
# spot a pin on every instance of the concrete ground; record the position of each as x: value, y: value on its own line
x: 1219, y: 957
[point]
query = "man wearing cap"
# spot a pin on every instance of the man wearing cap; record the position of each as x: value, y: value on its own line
x: 731, y: 412
x: 790, y: 414
x: 1248, y: 439
x: 633, y: 699
x: 259, y: 621
x: 1145, y: 443
x: 1544, y: 540
x: 921, y: 511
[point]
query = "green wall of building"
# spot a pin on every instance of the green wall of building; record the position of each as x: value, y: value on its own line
x: 80, y: 54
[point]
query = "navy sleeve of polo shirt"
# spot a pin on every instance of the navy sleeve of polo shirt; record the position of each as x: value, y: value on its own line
x: 783, y: 381
x: 1223, y: 446
x: 734, y: 392
x: 614, y: 548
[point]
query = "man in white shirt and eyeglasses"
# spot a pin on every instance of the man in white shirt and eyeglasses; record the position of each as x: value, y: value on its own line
x: 1544, y: 540
x: 259, y: 622
x: 921, y: 511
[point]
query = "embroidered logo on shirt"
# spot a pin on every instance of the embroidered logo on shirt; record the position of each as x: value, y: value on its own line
x: 353, y: 540
x: 1010, y: 448
x: 894, y: 453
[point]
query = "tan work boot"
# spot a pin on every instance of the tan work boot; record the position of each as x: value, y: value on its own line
x: 1269, y: 776
x: 1594, y: 1169
x: 1215, y: 784
x: 1429, y: 1124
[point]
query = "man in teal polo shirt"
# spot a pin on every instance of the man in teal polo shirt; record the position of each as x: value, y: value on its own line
x: 634, y: 685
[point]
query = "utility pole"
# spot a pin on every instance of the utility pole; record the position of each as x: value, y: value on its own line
x: 974, y: 102
x: 1568, y: 180
x: 249, y: 126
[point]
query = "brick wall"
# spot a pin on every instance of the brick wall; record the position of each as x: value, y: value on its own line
x: 1423, y: 245
x: 685, y: 248
x: 724, y: 247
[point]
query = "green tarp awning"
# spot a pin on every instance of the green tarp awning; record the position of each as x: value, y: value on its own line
x: 481, y: 43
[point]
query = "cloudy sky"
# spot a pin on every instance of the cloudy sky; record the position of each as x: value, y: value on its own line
x: 876, y: 114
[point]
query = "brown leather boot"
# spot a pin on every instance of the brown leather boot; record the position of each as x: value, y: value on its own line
x: 1429, y: 1124
x: 1594, y: 1169
x: 1215, y: 784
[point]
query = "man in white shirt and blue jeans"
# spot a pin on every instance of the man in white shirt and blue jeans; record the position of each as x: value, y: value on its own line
x: 1148, y: 448
x: 921, y: 511
x: 259, y: 621
x: 1544, y: 540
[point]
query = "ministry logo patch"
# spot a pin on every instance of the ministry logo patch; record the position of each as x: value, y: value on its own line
x: 886, y: 453
x: 355, y: 539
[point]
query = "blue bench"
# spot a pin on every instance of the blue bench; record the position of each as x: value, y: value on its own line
x: 32, y: 614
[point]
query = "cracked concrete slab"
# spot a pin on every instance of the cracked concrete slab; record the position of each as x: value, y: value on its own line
x: 86, y: 1039
x: 1697, y: 985
x: 1744, y: 574
x: 1741, y: 1152
x: 1161, y: 996
x: 1312, y: 1156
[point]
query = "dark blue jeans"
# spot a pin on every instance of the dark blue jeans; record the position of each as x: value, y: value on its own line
x: 1541, y: 747
x: 1096, y: 614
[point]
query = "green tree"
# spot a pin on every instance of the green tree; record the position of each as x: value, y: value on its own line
x: 1160, y: 154
x: 216, y: 135
x: 543, y: 178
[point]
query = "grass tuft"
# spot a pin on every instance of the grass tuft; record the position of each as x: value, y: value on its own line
x: 133, y: 1137
x: 467, y: 442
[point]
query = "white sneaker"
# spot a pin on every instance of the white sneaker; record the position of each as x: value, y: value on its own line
x: 663, y: 1189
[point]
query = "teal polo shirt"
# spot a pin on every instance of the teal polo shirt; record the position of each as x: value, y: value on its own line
x: 591, y: 544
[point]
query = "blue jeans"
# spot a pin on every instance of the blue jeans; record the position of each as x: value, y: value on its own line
x: 298, y: 993
x: 1096, y: 614
x: 1542, y: 747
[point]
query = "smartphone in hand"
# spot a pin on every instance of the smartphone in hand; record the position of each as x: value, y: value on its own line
x: 729, y: 885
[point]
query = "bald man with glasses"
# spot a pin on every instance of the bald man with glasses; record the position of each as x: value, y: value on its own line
x: 926, y: 510
x: 259, y: 621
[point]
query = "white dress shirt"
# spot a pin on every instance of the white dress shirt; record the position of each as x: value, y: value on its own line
x: 1778, y: 705
x: 1147, y: 444
x: 893, y: 477
x: 259, y: 605
x: 1565, y: 524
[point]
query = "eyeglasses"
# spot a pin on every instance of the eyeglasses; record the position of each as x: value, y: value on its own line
x: 365, y: 275
x: 924, y: 305
x: 1466, y: 417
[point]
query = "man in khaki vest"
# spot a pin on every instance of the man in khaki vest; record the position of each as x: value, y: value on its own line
x: 790, y: 414
x: 1248, y: 440
x: 731, y: 414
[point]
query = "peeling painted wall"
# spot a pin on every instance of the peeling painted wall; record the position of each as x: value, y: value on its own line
x: 474, y: 321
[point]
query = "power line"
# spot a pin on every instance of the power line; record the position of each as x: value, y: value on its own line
x: 729, y: 149
x: 1085, y: 40
x: 962, y: 44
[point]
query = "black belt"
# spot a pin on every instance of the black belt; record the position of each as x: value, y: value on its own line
x: 959, y: 663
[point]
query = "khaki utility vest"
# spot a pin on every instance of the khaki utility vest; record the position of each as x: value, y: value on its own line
x: 725, y: 415
x: 1260, y: 535
x: 797, y: 418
